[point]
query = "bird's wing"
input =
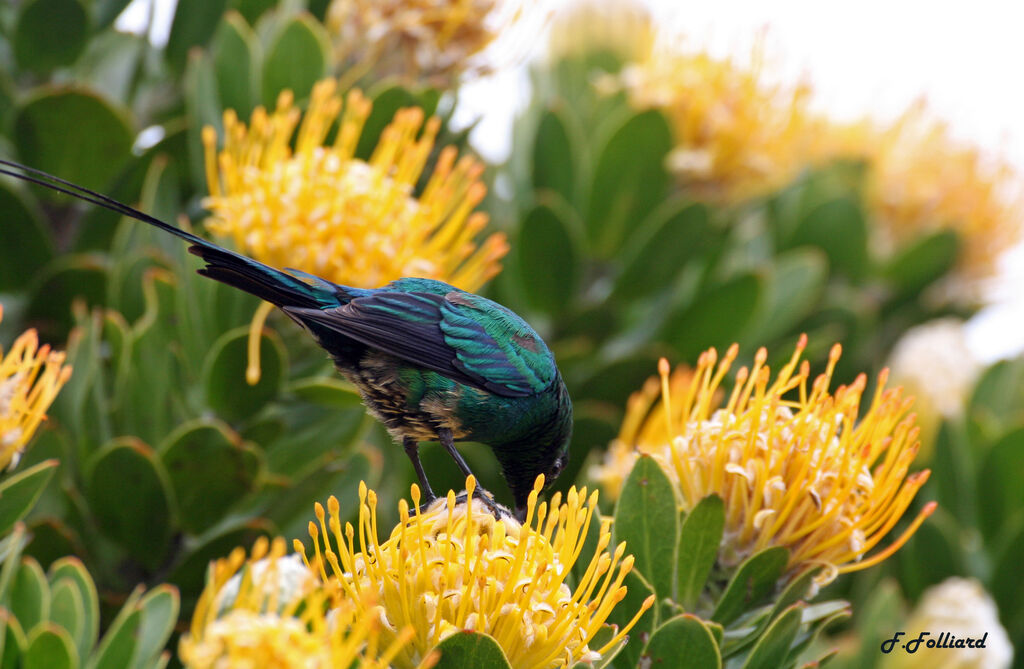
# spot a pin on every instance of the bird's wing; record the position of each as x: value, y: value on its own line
x: 463, y: 336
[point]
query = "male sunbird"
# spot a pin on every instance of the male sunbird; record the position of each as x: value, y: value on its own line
x: 430, y: 361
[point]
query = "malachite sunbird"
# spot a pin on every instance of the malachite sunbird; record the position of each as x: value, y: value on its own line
x: 431, y: 362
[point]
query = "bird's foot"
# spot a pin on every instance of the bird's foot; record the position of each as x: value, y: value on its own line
x: 497, y: 510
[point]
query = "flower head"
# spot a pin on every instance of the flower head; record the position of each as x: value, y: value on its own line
x: 431, y: 41
x: 271, y: 611
x: 619, y: 27
x: 30, y: 378
x: 736, y: 134
x: 793, y: 463
x: 321, y: 210
x: 454, y: 566
x: 961, y: 608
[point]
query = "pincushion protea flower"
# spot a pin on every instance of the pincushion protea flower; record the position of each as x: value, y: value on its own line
x: 30, y: 378
x: 323, y: 211
x: 454, y: 566
x: 270, y: 611
x: 797, y: 466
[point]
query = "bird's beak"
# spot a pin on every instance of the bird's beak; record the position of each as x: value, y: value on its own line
x: 521, y: 514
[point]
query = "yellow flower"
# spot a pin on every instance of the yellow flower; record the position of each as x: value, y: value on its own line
x: 454, y: 567
x: 794, y: 464
x: 736, y: 134
x: 321, y: 210
x: 30, y: 378
x: 421, y: 41
x: 923, y: 180
x: 270, y: 611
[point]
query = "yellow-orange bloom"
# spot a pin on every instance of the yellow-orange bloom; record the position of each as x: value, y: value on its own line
x: 270, y: 612
x: 321, y: 210
x: 454, y: 567
x: 30, y: 378
x: 793, y: 463
x: 432, y: 41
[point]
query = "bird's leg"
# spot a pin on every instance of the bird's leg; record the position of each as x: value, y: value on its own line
x: 444, y: 435
x: 412, y: 449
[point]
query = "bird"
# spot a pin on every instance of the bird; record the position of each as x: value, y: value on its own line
x: 431, y: 362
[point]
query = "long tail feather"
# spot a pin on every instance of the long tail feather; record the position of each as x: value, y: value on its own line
x: 222, y: 265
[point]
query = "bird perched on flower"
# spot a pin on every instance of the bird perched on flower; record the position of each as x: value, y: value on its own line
x: 431, y: 361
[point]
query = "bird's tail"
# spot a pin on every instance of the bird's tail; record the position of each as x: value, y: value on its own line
x: 234, y: 269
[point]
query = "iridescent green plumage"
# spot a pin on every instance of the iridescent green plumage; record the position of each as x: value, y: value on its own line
x: 431, y: 361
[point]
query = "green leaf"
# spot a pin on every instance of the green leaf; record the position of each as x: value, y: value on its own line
x: 555, y: 156
x: 647, y: 519
x: 102, y: 136
x: 773, y: 646
x: 921, y: 262
x: 67, y: 610
x: 326, y: 391
x: 998, y: 397
x: 297, y: 58
x: 71, y: 570
x: 792, y: 288
x: 29, y: 595
x: 470, y: 649
x: 252, y: 10
x: 684, y: 642
x: 118, y: 645
x: 159, y: 614
x: 18, y: 493
x: 127, y: 469
x: 49, y: 34
x: 838, y: 228
x: 234, y: 59
x: 547, y: 259
x: 193, y: 25
x: 660, y: 248
x: 69, y: 278
x: 699, y: 539
x: 1005, y: 580
x: 716, y: 318
x: 227, y: 391
x: 289, y: 509
x: 12, y: 641
x: 50, y: 647
x: 629, y: 179
x: 210, y: 468
x: 385, y: 103
x: 754, y: 580
x: 27, y: 245
x: 1000, y: 493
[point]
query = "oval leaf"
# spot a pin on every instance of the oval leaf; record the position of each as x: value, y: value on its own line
x: 699, y: 539
x: 921, y: 262
x: 1000, y: 493
x: 554, y: 156
x: 234, y: 59
x: 127, y: 469
x: 29, y: 595
x: 629, y: 179
x: 470, y: 649
x: 684, y: 642
x: 297, y: 59
x: 754, y: 580
x: 102, y: 137
x: 792, y: 287
x: 18, y: 493
x: 227, y: 391
x: 646, y: 518
x: 49, y: 34
x: 159, y: 614
x: 50, y: 647
x: 71, y: 570
x: 547, y: 260
x: 67, y: 610
x: 209, y: 468
x: 326, y: 391
x: 838, y: 228
x: 194, y: 24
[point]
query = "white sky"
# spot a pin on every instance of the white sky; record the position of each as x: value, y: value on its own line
x: 866, y: 57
